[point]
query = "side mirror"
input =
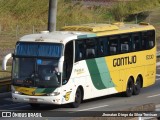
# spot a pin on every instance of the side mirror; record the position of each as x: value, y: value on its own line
x: 5, y: 60
x: 60, y: 64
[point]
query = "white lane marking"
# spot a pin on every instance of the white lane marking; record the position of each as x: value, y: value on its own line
x: 153, y: 96
x: 158, y: 79
x: 158, y: 75
x: 92, y: 108
x: 19, y: 107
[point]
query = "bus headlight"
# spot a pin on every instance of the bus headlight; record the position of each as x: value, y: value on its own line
x: 14, y: 91
x: 53, y: 94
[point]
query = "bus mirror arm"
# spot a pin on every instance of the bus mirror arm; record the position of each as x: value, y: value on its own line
x: 60, y: 64
x: 5, y: 60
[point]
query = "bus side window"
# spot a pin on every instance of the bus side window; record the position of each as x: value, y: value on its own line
x: 80, y: 50
x: 151, y: 39
x: 102, y: 46
x: 113, y: 46
x: 125, y: 43
x: 135, y: 42
x: 144, y: 40
x: 90, y: 48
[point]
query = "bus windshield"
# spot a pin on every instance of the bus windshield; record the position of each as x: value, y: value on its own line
x: 36, y: 65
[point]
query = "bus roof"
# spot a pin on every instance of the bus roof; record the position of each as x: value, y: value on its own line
x: 109, y: 29
x: 85, y: 31
x: 56, y: 37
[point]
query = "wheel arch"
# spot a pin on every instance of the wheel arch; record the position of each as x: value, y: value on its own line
x: 132, y: 78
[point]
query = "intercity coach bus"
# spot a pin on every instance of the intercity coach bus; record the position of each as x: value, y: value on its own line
x: 83, y: 62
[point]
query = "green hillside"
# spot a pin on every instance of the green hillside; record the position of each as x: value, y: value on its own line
x: 23, y: 12
x: 20, y: 17
x: 28, y: 13
x: 35, y: 12
x: 154, y: 19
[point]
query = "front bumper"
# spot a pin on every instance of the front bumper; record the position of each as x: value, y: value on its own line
x: 37, y: 99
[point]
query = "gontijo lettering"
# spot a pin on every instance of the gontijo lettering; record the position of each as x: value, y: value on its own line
x: 124, y: 61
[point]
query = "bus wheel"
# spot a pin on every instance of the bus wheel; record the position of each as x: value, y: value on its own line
x: 78, y: 99
x: 34, y: 105
x: 137, y: 86
x: 129, y: 89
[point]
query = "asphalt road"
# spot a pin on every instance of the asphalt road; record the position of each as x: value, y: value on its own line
x: 108, y: 103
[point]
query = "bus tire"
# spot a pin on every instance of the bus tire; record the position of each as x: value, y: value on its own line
x: 34, y: 105
x: 129, y: 89
x: 78, y: 99
x: 137, y: 86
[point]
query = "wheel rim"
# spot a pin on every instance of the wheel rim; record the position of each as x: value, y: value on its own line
x: 138, y: 85
x: 78, y: 97
x: 130, y: 87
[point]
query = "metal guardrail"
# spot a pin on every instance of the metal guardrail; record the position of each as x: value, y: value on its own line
x: 5, y: 84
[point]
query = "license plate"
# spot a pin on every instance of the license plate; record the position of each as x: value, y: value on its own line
x: 33, y: 99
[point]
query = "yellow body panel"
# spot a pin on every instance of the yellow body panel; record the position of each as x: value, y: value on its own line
x: 142, y: 66
x: 120, y: 74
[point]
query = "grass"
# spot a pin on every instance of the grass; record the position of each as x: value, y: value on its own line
x: 7, y: 42
x: 35, y: 12
x: 17, y: 12
x: 154, y: 19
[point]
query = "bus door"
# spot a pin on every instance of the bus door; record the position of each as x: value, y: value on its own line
x: 81, y: 69
x: 67, y: 82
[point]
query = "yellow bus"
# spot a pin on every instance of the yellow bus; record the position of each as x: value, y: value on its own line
x: 83, y: 62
